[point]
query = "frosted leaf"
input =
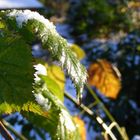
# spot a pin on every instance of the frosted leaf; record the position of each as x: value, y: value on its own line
x: 25, y: 15
x: 40, y: 70
x: 41, y: 100
x: 63, y: 57
x: 66, y: 120
x: 52, y: 41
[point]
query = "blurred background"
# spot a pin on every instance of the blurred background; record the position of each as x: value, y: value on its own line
x: 105, y: 35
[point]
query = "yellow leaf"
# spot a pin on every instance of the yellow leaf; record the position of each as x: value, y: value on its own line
x: 80, y: 54
x: 56, y: 74
x: 1, y: 25
x: 105, y: 77
x: 81, y: 127
x: 133, y: 4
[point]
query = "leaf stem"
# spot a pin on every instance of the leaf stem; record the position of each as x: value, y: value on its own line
x: 101, y: 104
x: 122, y: 133
x: 82, y: 106
x: 93, y: 115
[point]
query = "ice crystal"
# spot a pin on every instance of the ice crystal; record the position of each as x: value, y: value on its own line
x: 40, y: 69
x: 66, y: 120
x: 41, y: 100
x: 24, y: 16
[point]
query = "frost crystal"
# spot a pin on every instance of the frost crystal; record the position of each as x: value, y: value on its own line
x: 40, y: 69
x: 41, y: 100
x: 66, y: 120
x: 63, y: 58
x: 24, y: 16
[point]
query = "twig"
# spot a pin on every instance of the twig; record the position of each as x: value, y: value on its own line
x: 9, y: 127
x: 93, y: 115
x: 101, y: 104
x: 123, y: 135
x: 5, y: 132
x: 82, y: 106
x: 89, y: 106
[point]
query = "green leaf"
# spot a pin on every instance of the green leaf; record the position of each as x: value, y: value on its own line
x: 56, y: 73
x: 53, y: 87
x: 68, y: 61
x: 1, y: 25
x: 16, y: 76
x: 27, y: 22
x: 16, y: 73
x: 80, y: 54
x: 57, y: 120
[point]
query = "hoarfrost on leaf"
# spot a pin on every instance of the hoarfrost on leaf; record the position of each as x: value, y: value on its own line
x: 22, y: 16
x: 41, y: 100
x: 40, y: 70
x: 62, y: 58
x: 66, y: 120
x: 56, y: 44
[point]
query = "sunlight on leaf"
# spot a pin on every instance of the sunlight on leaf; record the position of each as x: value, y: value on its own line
x: 80, y: 54
x: 53, y: 76
x: 58, y: 121
x: 16, y: 76
x: 53, y: 87
x: 56, y: 73
x: 105, y: 77
x: 32, y: 23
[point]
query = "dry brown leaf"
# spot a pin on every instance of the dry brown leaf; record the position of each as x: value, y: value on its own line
x: 105, y: 77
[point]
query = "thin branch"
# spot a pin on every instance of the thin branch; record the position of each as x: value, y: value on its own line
x: 82, y: 106
x: 5, y: 132
x: 101, y: 104
x: 93, y: 115
x: 9, y: 127
x: 89, y: 106
x: 123, y: 135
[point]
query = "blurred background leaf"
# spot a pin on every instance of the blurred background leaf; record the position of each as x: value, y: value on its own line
x: 81, y: 127
x: 79, y: 52
x: 105, y: 77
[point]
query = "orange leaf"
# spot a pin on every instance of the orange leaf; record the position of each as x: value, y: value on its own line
x: 81, y: 127
x: 105, y: 77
